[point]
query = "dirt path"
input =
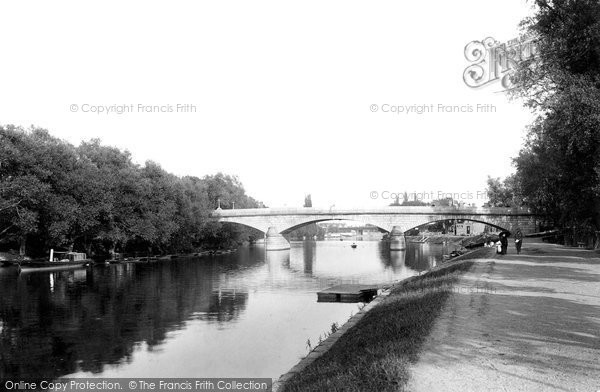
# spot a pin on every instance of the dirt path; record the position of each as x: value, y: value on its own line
x: 518, y: 322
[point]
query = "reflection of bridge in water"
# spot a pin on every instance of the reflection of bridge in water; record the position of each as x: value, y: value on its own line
x: 275, y: 222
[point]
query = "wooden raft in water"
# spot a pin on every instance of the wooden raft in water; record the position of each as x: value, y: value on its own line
x: 348, y: 293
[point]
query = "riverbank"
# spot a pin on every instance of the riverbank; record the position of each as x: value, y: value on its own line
x: 457, y: 242
x: 522, y: 322
x: 512, y: 322
x: 375, y: 353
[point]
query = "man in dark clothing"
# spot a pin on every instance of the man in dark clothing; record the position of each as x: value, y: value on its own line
x: 518, y: 240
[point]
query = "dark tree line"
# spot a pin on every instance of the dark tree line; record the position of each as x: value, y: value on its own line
x: 445, y: 202
x: 93, y: 198
x: 558, y: 168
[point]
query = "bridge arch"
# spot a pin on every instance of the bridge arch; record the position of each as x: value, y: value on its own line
x: 461, y: 219
x: 288, y: 230
x: 246, y: 223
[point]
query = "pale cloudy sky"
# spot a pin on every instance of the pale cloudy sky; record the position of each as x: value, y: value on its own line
x: 282, y: 90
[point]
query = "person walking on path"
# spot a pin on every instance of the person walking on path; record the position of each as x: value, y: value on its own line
x: 518, y: 240
x: 504, y: 242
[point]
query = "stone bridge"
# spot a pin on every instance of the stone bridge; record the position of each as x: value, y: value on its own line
x: 275, y: 222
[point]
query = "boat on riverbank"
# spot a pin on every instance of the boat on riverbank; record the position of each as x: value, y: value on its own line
x: 66, y: 260
x: 44, y: 265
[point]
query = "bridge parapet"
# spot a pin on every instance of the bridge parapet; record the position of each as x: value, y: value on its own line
x: 400, y: 210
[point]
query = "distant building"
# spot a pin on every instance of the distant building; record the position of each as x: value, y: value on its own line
x: 464, y: 227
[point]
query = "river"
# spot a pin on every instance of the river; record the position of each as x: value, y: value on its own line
x: 247, y: 314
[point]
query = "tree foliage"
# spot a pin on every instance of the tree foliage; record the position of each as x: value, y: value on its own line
x: 406, y: 202
x: 94, y: 198
x: 308, y: 201
x: 503, y: 193
x: 558, y: 169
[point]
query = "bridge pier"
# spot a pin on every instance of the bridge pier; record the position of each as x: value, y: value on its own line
x: 275, y: 241
x: 397, y: 240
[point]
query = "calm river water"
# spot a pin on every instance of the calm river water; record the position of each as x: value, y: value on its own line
x: 247, y: 314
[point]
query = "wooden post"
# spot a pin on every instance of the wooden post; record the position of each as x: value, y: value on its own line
x: 22, y: 247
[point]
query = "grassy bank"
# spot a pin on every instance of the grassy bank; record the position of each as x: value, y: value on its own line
x: 375, y: 354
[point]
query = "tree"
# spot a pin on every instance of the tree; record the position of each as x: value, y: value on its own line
x: 414, y: 203
x: 406, y: 202
x: 558, y: 169
x: 228, y: 189
x: 309, y: 232
x: 25, y: 173
x: 503, y: 193
x: 396, y: 202
x: 117, y: 193
x: 307, y: 201
x: 445, y: 202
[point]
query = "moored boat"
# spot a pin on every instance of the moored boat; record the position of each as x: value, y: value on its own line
x: 44, y: 265
x: 65, y: 260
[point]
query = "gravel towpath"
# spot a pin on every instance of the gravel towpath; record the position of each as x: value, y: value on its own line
x: 528, y: 322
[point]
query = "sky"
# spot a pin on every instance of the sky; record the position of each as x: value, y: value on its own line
x: 281, y: 94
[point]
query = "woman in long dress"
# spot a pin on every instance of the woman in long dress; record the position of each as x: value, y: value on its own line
x: 504, y: 242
